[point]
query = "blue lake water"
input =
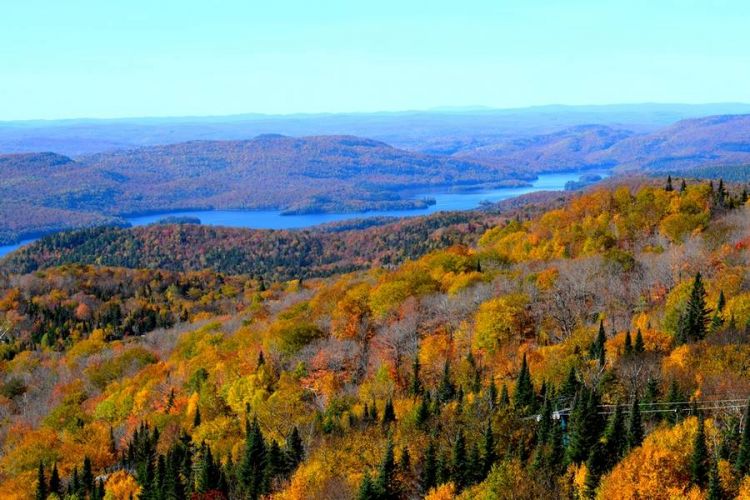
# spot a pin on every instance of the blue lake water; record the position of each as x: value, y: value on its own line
x: 273, y: 219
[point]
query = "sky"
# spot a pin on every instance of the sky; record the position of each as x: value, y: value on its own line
x: 117, y: 58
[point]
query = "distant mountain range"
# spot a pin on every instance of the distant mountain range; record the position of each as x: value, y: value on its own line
x: 43, y: 191
x: 706, y: 141
x: 443, y: 131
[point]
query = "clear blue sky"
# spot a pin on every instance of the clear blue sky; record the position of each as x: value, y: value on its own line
x: 116, y: 58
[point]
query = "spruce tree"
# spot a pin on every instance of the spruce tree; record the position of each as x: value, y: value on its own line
x: 294, y: 449
x: 524, y: 397
x: 585, y: 426
x: 423, y: 412
x: 635, y: 425
x: 492, y: 394
x: 696, y: 314
x: 428, y: 476
x: 544, y: 426
x: 714, y: 484
x: 628, y: 349
x: 367, y: 490
x: 683, y: 186
x: 669, y: 187
x: 570, y: 387
x: 615, y: 437
x: 415, y: 387
x: 41, y: 484
x: 489, y: 454
x: 459, y: 470
x: 639, y: 346
x: 674, y: 397
x: 87, y: 476
x: 389, y: 415
x: 446, y: 390
x: 55, y: 485
x: 595, y: 466
x: 404, y: 463
x: 252, y: 467
x: 504, y: 397
x: 197, y: 417
x: 385, y: 484
x: 699, y: 459
x: 742, y: 464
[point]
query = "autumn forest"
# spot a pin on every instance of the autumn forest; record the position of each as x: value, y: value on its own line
x: 595, y: 345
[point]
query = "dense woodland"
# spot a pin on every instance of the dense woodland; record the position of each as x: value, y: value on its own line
x: 597, y: 349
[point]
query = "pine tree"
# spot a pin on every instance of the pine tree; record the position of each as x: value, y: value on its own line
x: 544, y: 426
x: 87, y: 476
x: 446, y: 390
x: 423, y: 411
x: 674, y: 397
x: 275, y: 464
x: 252, y: 467
x: 294, y: 449
x: 628, y: 349
x: 635, y: 425
x: 197, y: 417
x: 473, y: 466
x: 699, y: 458
x: 367, y: 490
x: 714, y: 484
x: 595, y: 465
x: 524, y: 397
x: 615, y: 437
x: 696, y: 314
x: 585, y: 426
x: 41, y: 484
x: 504, y: 397
x: 415, y: 387
x: 55, y: 485
x: 428, y: 476
x: 489, y: 454
x: 742, y: 464
x: 639, y: 347
x: 389, y: 415
x: 459, y: 470
x: 570, y: 387
x: 669, y: 187
x: 404, y: 463
x: 385, y: 484
x: 683, y: 186
x: 492, y: 394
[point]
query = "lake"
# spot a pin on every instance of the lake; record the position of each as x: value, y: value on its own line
x: 273, y: 219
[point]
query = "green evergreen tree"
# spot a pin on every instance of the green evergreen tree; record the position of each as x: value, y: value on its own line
x: 385, y: 484
x: 695, y: 318
x: 699, y: 464
x: 683, y: 186
x: 639, y: 346
x: 415, y: 386
x: 674, y: 397
x: 635, y: 425
x: 524, y: 397
x: 669, y: 187
x: 504, y: 397
x: 628, y: 349
x: 404, y: 463
x: 570, y: 387
x: 197, y: 418
x: 87, y: 476
x: 41, y: 484
x: 615, y: 437
x: 492, y: 395
x: 389, y: 415
x: 294, y: 449
x: 423, y: 411
x: 253, y: 465
x: 714, y: 484
x: 446, y: 390
x: 428, y: 476
x: 595, y: 466
x: 275, y: 464
x: 544, y: 426
x: 459, y: 472
x: 55, y: 485
x: 742, y: 464
x: 489, y: 454
x: 585, y: 426
x: 367, y: 490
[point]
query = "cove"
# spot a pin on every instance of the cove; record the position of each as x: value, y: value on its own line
x: 445, y: 200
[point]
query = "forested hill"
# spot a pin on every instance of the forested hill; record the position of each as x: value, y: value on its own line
x: 597, y: 349
x: 43, y: 191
